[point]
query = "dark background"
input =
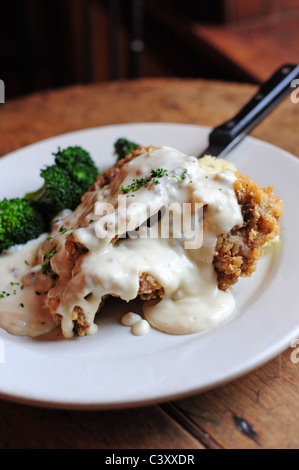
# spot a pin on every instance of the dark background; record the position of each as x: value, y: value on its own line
x: 56, y: 43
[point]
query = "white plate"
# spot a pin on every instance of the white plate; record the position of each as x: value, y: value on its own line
x: 113, y: 368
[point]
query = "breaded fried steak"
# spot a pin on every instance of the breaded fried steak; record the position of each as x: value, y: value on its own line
x: 237, y: 252
x: 184, y: 289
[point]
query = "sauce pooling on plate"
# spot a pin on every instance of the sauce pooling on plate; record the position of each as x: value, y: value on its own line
x: 22, y: 307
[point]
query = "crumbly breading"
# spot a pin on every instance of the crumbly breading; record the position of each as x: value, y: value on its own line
x: 149, y: 288
x: 238, y: 251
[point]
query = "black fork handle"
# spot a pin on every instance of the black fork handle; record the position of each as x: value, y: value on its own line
x: 270, y: 94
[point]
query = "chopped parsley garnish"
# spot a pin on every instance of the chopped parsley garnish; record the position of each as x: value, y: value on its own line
x: 50, y: 254
x: 22, y: 305
x: 183, y: 175
x: 142, y: 182
x: 158, y: 173
x: 139, y: 182
x: 127, y: 189
x: 17, y: 284
x: 46, y: 267
x: 154, y: 177
x: 4, y: 294
x: 63, y: 229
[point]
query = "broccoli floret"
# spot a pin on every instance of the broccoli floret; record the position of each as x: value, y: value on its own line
x: 79, y: 164
x: 58, y: 192
x: 20, y: 222
x: 65, y: 182
x: 124, y: 147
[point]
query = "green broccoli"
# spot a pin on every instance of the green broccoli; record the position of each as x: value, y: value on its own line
x: 20, y: 222
x: 124, y: 147
x: 65, y: 182
x: 79, y: 164
x: 58, y: 192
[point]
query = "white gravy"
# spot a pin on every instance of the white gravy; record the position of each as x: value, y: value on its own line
x: 22, y: 308
x: 192, y: 300
x: 139, y: 326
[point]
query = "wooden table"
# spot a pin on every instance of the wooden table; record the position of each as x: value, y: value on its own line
x: 259, y: 410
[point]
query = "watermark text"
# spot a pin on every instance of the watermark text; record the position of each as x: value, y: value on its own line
x: 2, y: 91
x: 139, y: 220
x: 295, y: 93
x: 295, y: 353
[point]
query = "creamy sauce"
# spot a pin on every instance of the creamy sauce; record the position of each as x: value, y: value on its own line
x: 128, y: 319
x: 139, y: 326
x: 22, y: 307
x: 192, y: 300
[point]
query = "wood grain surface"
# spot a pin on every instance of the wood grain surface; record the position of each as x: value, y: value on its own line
x: 259, y: 410
x: 256, y: 47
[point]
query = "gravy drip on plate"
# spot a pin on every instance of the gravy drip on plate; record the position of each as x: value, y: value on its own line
x: 22, y: 307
